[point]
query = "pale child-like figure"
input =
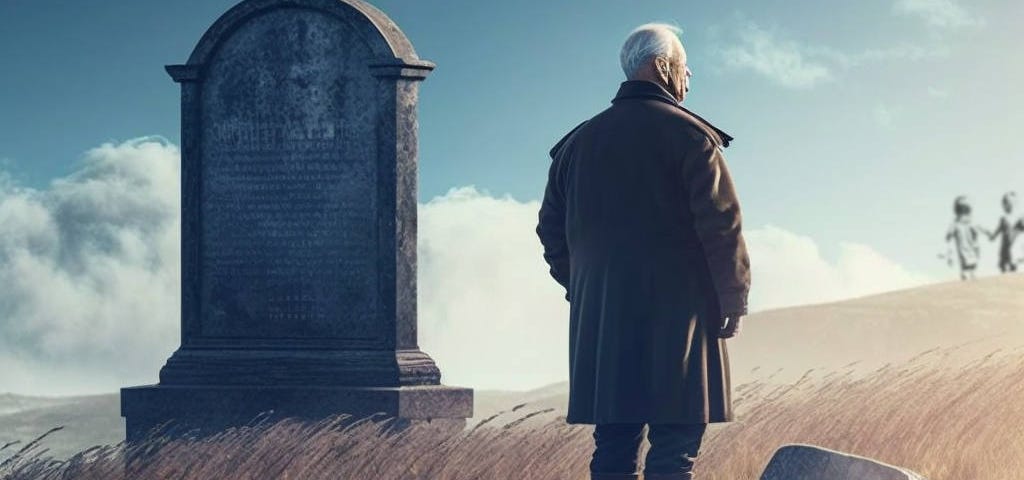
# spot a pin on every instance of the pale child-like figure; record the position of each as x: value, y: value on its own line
x: 963, y: 235
x: 1010, y: 225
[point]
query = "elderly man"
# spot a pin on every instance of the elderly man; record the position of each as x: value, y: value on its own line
x: 640, y: 223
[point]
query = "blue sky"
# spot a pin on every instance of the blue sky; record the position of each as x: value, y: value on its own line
x: 856, y: 124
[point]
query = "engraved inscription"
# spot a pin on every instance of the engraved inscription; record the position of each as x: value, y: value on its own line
x: 257, y: 135
x: 288, y: 211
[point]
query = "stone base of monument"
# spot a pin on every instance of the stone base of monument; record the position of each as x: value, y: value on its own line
x: 200, y: 410
x: 810, y: 462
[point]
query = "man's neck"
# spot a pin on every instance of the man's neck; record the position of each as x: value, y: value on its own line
x: 647, y: 77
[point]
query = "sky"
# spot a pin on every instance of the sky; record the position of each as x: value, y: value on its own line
x: 855, y: 123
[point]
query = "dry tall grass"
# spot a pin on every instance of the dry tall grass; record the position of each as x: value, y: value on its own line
x: 947, y: 422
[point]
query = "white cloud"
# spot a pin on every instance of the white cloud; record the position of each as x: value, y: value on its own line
x: 780, y: 60
x: 90, y: 272
x: 938, y: 13
x: 848, y: 60
x: 798, y: 65
x: 90, y: 269
x: 788, y: 269
x: 489, y: 313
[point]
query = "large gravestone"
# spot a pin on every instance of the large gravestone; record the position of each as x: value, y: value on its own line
x: 298, y: 237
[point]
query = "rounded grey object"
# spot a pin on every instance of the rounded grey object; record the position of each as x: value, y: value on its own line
x: 811, y: 462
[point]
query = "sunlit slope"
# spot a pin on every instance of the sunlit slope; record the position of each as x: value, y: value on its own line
x: 981, y: 316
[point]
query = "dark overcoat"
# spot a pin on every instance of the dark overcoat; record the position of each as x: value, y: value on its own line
x: 641, y: 224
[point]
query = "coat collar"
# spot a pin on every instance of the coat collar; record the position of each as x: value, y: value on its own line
x: 645, y: 89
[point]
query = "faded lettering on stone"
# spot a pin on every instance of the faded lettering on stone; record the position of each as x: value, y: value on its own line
x: 288, y: 184
x: 262, y: 134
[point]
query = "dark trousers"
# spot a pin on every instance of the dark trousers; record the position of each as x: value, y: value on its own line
x: 673, y: 447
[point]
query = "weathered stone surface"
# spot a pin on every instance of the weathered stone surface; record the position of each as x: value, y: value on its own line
x: 809, y: 462
x: 299, y: 172
x: 288, y: 183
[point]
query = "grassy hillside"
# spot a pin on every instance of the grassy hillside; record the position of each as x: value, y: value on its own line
x: 946, y: 423
x: 951, y: 412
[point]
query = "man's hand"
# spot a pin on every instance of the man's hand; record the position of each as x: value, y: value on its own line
x: 731, y: 326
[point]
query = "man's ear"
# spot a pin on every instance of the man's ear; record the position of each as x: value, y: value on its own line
x: 661, y: 69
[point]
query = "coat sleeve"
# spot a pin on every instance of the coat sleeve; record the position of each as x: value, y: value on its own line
x: 717, y: 220
x: 551, y: 228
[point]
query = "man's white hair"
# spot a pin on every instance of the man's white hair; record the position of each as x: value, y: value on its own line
x: 649, y: 41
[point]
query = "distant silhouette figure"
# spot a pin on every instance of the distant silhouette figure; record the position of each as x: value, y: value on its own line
x: 964, y: 236
x: 1007, y: 230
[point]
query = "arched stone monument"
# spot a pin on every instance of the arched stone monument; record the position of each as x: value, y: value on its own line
x: 298, y: 232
